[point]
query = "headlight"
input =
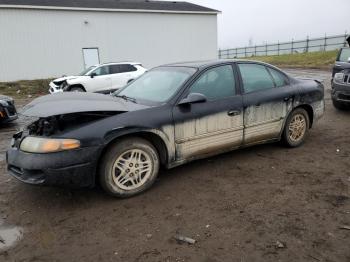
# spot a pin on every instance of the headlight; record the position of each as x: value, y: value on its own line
x: 46, y: 145
x: 339, y: 77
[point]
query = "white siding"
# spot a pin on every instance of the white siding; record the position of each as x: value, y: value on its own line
x: 48, y: 43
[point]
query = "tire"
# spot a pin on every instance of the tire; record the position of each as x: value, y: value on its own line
x: 339, y: 105
x: 119, y: 169
x: 76, y: 89
x: 296, y: 128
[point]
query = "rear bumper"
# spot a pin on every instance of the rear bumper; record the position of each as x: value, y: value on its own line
x: 74, y: 168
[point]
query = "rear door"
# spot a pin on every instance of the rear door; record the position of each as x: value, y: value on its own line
x: 267, y: 100
x: 212, y: 126
x: 121, y: 74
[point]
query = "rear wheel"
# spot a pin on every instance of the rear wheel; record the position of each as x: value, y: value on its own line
x: 296, y: 128
x: 129, y: 167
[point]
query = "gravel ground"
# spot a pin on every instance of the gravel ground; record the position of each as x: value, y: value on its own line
x: 265, y: 203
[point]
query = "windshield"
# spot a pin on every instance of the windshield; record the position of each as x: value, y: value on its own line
x: 87, y: 70
x: 157, y: 85
x: 344, y: 55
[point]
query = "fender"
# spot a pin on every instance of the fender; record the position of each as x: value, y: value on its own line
x: 165, y: 134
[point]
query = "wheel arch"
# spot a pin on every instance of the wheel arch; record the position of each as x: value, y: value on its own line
x: 77, y: 85
x: 308, y: 108
x: 155, y: 138
x: 310, y: 111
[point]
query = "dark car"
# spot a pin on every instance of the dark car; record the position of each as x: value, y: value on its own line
x: 171, y: 115
x: 7, y: 109
x: 341, y: 79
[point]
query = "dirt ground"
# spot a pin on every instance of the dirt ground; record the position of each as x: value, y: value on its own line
x: 265, y: 203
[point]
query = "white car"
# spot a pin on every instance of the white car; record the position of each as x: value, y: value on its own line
x: 102, y: 78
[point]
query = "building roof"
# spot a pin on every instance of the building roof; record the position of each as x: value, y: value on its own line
x: 110, y: 5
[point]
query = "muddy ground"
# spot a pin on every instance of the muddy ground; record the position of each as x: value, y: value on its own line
x: 265, y: 203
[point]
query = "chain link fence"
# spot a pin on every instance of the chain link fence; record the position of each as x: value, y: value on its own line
x: 326, y: 43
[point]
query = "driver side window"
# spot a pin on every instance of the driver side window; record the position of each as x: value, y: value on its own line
x: 103, y: 70
x: 216, y: 83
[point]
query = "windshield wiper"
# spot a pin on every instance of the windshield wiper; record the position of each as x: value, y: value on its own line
x: 127, y: 98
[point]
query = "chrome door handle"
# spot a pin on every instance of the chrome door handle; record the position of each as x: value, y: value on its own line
x: 234, y: 112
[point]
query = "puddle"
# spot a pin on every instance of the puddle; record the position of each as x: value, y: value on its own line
x: 9, y: 235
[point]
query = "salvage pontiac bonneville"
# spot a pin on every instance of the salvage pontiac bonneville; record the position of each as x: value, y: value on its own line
x: 169, y: 116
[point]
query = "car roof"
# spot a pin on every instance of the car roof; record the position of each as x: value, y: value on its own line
x: 120, y: 63
x: 208, y: 63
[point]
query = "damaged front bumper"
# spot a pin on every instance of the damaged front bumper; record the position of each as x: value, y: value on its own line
x: 74, y: 168
x: 53, y: 88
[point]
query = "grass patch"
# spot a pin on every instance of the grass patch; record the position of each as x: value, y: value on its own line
x: 318, y: 60
x: 25, y: 88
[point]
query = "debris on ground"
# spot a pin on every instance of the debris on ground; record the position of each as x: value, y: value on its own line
x: 345, y: 227
x: 280, y: 244
x: 180, y: 238
x: 149, y: 236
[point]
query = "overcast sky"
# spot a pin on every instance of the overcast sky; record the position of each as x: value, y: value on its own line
x: 273, y: 20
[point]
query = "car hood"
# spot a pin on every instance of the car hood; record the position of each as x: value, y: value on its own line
x: 342, y: 65
x: 64, y: 78
x: 70, y: 102
x: 6, y: 98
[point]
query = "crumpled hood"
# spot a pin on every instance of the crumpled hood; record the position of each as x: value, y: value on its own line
x: 74, y: 102
x: 64, y: 78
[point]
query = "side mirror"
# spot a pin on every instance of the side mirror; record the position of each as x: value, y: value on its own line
x: 92, y: 75
x: 193, y: 98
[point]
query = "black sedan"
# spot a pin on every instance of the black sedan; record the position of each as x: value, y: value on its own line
x: 7, y: 109
x: 171, y: 115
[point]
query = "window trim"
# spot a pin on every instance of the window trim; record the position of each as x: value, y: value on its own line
x: 98, y: 69
x: 194, y: 80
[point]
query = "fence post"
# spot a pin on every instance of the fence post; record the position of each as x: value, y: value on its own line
x: 345, y: 38
x: 219, y: 53
x: 236, y: 52
x: 245, y: 51
x: 266, y: 48
x: 278, y: 47
x: 255, y: 50
x: 325, y: 42
x: 292, y: 51
x: 307, y: 45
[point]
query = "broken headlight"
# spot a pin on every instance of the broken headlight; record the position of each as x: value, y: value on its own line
x: 48, y: 145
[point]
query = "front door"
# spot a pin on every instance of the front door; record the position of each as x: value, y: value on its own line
x: 102, y: 79
x: 212, y: 126
x: 267, y: 100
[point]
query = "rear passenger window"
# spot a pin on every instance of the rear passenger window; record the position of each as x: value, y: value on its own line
x: 255, y: 77
x: 216, y: 83
x: 279, y: 78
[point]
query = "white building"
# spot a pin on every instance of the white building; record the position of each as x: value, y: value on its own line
x: 43, y: 39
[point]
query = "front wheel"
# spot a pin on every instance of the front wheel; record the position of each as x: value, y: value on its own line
x: 129, y: 167
x: 296, y: 128
x: 76, y: 89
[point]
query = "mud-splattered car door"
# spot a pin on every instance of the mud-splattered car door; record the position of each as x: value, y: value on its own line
x: 214, y: 125
x: 267, y: 99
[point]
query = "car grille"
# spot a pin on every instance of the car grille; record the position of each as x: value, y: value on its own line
x: 344, y: 96
x: 346, y: 79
